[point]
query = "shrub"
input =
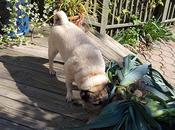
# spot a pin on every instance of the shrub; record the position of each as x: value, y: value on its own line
x: 146, y: 33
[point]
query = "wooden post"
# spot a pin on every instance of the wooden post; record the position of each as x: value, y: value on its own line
x: 104, y: 17
x: 165, y: 12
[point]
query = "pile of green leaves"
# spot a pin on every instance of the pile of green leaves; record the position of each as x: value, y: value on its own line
x: 147, y: 32
x: 143, y: 99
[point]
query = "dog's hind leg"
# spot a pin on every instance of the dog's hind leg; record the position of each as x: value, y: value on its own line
x: 52, y: 52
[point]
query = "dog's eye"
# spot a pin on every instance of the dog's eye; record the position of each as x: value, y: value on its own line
x: 110, y: 86
x: 85, y: 95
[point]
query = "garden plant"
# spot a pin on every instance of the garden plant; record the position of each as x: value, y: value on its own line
x: 141, y: 99
x: 145, y: 33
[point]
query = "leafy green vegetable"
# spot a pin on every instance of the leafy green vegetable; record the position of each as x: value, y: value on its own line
x: 122, y: 114
x: 146, y: 98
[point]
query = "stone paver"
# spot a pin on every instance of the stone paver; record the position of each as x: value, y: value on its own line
x: 165, y: 48
x: 156, y: 52
x: 156, y: 64
x: 167, y: 54
x: 168, y: 67
x: 168, y: 60
x: 156, y: 58
x: 169, y: 74
x: 162, y: 58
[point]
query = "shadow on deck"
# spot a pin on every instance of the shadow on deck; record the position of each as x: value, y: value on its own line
x: 30, y: 98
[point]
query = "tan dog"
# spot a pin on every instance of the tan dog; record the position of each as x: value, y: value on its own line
x: 84, y: 63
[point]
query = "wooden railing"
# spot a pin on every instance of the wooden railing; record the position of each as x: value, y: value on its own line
x: 109, y: 15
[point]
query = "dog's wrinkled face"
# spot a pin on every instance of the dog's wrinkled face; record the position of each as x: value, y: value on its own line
x: 97, y: 95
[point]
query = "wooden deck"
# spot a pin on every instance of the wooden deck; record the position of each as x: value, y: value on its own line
x: 32, y: 100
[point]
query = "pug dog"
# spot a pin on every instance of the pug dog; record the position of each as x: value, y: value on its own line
x: 84, y: 63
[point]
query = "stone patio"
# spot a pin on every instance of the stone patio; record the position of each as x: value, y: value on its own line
x: 162, y: 58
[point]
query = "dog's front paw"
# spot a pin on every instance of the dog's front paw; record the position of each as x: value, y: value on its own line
x: 52, y: 72
x: 69, y: 97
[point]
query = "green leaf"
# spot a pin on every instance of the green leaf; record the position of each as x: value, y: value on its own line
x: 157, y: 93
x: 142, y: 110
x: 110, y: 115
x: 115, y: 106
x: 131, y: 111
x: 21, y: 7
x: 135, y: 75
x: 132, y: 70
x: 156, y: 98
x: 130, y: 62
x: 122, y: 121
x: 158, y: 82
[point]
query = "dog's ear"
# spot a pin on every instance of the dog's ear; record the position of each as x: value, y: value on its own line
x: 84, y: 95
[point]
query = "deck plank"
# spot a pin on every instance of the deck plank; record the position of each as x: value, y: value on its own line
x: 32, y: 78
x: 35, y: 50
x: 41, y: 98
x: 37, y: 64
x: 9, y: 125
x: 33, y: 117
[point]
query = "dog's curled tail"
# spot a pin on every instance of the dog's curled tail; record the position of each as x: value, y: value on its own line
x: 60, y: 18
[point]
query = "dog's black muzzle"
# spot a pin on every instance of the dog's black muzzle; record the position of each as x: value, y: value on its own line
x: 86, y: 95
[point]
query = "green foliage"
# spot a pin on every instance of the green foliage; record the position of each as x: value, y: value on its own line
x: 129, y: 115
x: 173, y: 37
x: 36, y: 21
x: 162, y: 113
x: 11, y: 28
x: 149, y: 31
x: 157, y: 2
x: 49, y: 7
x: 129, y: 36
x: 73, y: 7
x: 153, y: 30
x: 129, y: 73
x: 143, y: 98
